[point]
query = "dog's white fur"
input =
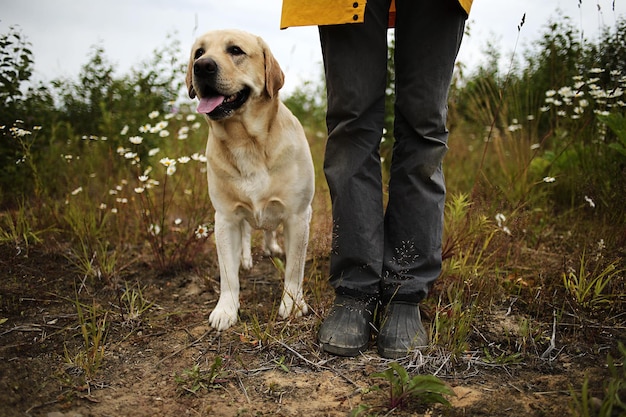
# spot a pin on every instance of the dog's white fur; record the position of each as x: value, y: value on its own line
x: 259, y: 168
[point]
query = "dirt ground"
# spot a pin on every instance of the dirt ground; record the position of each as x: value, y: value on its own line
x: 273, y: 369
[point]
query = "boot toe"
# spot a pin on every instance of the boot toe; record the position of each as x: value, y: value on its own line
x: 401, y: 331
x: 346, y: 331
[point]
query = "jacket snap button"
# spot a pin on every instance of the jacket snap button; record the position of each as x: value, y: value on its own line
x: 355, y: 17
x: 355, y: 4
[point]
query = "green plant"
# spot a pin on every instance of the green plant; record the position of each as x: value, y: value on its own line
x: 134, y: 303
x: 588, y: 287
x: 93, y: 327
x: 613, y: 401
x: 452, y: 325
x: 421, y: 389
x: 90, y: 254
x: 16, y: 227
x: 617, y: 123
x: 194, y: 379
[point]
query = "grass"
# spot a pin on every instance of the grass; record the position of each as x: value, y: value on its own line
x: 19, y: 229
x: 589, y: 289
x: 93, y: 325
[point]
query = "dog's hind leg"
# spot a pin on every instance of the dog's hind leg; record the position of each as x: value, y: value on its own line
x: 296, y: 231
x: 246, y: 245
x: 270, y: 244
x: 228, y: 240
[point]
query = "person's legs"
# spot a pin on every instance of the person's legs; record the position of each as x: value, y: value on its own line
x: 355, y: 62
x: 428, y: 36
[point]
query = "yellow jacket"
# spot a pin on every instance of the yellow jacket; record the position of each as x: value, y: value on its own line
x: 334, y: 12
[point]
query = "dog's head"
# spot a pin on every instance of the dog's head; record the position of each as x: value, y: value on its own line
x: 230, y: 68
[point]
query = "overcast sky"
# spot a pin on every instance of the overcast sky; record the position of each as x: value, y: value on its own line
x: 62, y: 32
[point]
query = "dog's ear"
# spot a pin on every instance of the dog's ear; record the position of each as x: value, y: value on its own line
x: 274, y: 77
x: 189, y: 78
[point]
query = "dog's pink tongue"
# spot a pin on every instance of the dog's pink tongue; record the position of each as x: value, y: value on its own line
x: 208, y: 104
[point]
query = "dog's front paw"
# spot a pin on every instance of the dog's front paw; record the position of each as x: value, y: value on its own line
x: 293, y: 305
x: 224, y: 316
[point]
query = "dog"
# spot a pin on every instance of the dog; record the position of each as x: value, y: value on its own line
x: 259, y: 166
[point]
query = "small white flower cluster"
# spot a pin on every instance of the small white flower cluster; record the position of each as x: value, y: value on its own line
x: 574, y: 96
x: 123, y: 193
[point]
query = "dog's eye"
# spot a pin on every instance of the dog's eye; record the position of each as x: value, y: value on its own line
x: 235, y: 50
x: 199, y: 53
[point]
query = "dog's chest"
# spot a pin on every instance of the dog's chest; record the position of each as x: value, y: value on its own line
x: 256, y: 201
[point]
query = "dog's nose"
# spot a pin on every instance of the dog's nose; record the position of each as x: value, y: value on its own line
x: 206, y: 66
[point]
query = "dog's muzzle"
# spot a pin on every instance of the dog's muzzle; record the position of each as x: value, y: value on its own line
x: 214, y: 103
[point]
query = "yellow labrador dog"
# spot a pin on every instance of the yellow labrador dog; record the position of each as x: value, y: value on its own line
x: 259, y: 166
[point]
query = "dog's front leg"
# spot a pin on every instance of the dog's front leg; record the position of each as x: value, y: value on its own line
x: 296, y: 231
x: 228, y: 242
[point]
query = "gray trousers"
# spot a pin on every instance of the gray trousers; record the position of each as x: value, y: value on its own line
x: 392, y: 252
